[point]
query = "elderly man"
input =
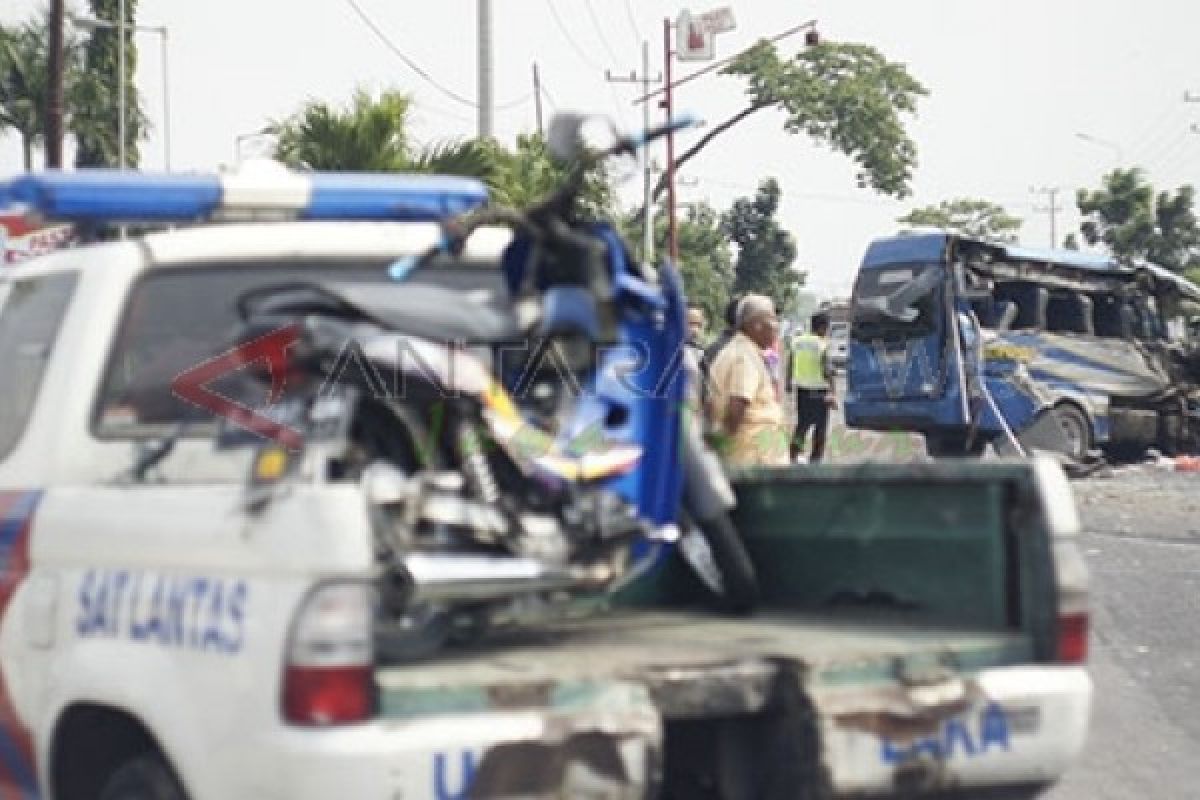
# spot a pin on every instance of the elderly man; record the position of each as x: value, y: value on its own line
x: 745, y: 405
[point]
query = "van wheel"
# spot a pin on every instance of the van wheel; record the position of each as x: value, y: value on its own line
x: 1077, y: 431
x: 146, y: 777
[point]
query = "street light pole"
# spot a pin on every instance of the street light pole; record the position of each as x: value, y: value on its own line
x: 484, y: 24
x: 161, y: 30
x: 672, y: 229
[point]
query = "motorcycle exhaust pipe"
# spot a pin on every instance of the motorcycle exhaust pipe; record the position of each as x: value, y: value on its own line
x: 451, y: 577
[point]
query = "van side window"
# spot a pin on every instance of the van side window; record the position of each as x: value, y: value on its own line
x: 1069, y: 312
x: 1031, y: 301
x: 1113, y: 316
x: 30, y: 318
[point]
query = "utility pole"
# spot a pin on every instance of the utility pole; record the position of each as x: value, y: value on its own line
x: 54, y: 98
x: 1052, y: 208
x: 485, y: 68
x: 537, y: 99
x: 647, y: 210
x: 811, y: 38
x: 672, y: 230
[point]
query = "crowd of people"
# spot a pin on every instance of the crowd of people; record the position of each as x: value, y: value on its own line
x: 746, y: 375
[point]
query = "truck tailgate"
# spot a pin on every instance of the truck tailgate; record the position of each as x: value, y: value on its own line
x: 908, y: 643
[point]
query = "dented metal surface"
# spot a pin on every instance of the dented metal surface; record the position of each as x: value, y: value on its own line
x: 688, y: 692
x: 601, y: 754
x: 898, y: 712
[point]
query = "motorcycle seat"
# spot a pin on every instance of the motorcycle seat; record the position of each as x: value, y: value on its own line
x: 427, y: 311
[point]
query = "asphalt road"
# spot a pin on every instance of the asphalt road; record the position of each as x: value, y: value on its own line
x: 1142, y: 543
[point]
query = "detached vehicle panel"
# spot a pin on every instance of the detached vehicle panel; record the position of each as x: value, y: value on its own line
x: 923, y: 628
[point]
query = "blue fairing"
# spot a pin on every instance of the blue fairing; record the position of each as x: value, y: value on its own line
x: 639, y: 386
x: 653, y: 394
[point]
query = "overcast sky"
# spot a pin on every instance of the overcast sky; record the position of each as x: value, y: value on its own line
x: 1011, y: 85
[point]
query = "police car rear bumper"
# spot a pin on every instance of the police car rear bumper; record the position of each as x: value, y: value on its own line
x: 521, y: 753
x: 1026, y: 725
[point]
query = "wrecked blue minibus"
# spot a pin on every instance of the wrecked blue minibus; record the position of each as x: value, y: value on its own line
x: 974, y: 343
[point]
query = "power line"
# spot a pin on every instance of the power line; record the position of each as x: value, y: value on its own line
x: 546, y: 93
x: 415, y: 67
x: 570, y: 39
x: 633, y: 26
x: 600, y: 31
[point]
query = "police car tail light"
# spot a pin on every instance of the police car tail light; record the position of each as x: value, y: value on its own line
x: 1070, y: 570
x: 328, y: 677
x: 1072, y: 638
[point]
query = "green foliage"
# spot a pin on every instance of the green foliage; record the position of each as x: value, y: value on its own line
x: 369, y: 135
x: 1126, y: 216
x: 978, y: 219
x: 24, y: 82
x: 530, y: 173
x: 765, y: 251
x: 25, y: 85
x: 705, y: 256
x: 848, y: 96
x: 95, y: 100
x: 1071, y: 242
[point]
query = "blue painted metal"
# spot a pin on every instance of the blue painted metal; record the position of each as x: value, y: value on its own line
x: 922, y: 248
x: 892, y: 393
x: 104, y: 195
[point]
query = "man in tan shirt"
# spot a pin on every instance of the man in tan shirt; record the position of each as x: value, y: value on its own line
x: 745, y: 405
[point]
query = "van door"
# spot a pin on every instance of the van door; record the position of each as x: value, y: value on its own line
x: 898, y: 332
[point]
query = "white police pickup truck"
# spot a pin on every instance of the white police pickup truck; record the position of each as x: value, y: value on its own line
x: 924, y: 628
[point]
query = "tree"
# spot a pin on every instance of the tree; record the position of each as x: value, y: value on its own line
x: 1134, y: 223
x: 95, y: 101
x: 765, y: 251
x: 847, y: 96
x: 369, y: 135
x: 24, y: 81
x: 978, y: 219
x: 530, y: 173
x: 705, y: 255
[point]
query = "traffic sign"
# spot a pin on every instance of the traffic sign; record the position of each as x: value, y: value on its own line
x: 695, y: 35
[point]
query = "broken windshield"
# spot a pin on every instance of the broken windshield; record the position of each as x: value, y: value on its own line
x: 896, y: 301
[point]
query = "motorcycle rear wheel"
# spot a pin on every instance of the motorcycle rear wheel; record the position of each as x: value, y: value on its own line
x: 721, y: 562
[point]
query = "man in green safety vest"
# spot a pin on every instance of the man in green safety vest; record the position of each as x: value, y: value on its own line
x: 810, y: 374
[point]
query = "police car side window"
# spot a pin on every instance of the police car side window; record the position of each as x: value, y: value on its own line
x: 30, y: 317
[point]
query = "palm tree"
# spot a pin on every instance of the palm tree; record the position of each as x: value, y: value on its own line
x: 24, y: 79
x: 25, y: 84
x: 371, y: 135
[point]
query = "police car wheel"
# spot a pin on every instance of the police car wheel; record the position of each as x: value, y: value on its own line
x: 146, y: 777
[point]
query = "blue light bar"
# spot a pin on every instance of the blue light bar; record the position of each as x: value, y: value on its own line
x: 118, y: 195
x: 360, y: 195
